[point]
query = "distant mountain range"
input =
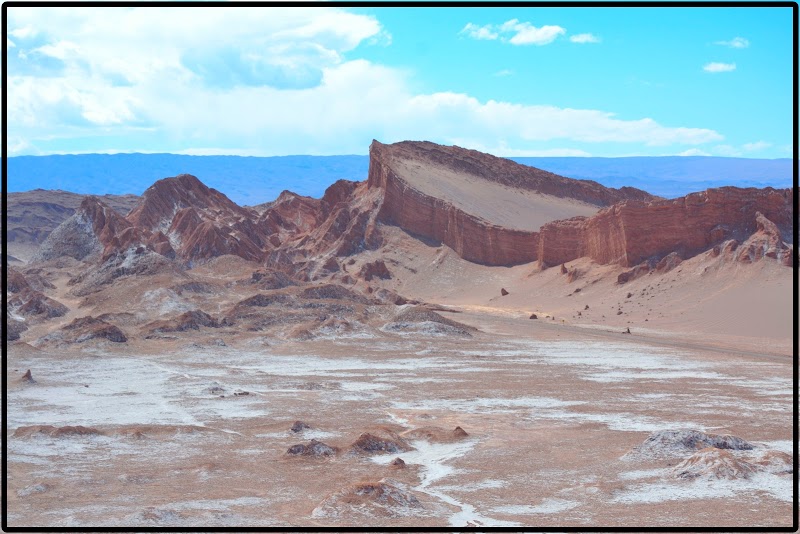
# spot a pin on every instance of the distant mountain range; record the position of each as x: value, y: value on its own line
x: 254, y: 180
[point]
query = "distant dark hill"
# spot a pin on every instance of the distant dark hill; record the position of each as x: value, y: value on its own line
x: 253, y: 180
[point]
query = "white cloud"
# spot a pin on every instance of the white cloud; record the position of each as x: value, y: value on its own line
x: 719, y: 67
x: 583, y: 38
x: 10, y: 43
x: 755, y: 147
x: 504, y: 72
x: 153, y: 92
x: 727, y: 151
x: 694, y: 152
x: 480, y: 32
x: 24, y: 32
x: 736, y: 42
x: 528, y: 34
x: 60, y: 50
x: 515, y: 32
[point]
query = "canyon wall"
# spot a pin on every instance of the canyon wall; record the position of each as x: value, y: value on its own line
x: 470, y: 237
x: 630, y: 232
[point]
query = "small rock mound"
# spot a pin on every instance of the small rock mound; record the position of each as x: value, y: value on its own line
x: 776, y: 462
x: 668, y: 262
x: 714, y: 463
x: 503, y: 292
x: 389, y: 442
x: 271, y: 279
x: 299, y: 426
x: 371, y: 499
x: 86, y: 328
x: 422, y: 320
x: 397, y: 463
x: 640, y: 270
x: 672, y: 443
x: 375, y: 269
x: 533, y: 316
x: 190, y: 320
x: 314, y: 448
x: 333, y: 291
x: 29, y: 303
x: 14, y: 329
x: 436, y: 434
x: 27, y: 378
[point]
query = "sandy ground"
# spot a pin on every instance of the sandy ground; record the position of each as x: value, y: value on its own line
x: 708, y: 302
x: 499, y: 204
x: 550, y: 416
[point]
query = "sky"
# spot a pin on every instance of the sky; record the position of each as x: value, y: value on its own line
x: 524, y: 81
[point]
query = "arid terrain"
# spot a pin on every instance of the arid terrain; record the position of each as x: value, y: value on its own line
x: 457, y: 341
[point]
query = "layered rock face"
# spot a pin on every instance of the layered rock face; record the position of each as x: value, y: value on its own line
x: 198, y: 221
x: 472, y: 236
x: 488, y: 210
x: 631, y: 232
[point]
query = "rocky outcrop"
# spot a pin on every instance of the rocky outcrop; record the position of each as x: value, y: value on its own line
x: 32, y: 215
x: 313, y: 448
x: 767, y: 241
x: 97, y: 231
x: 679, y: 443
x: 385, y: 442
x: 199, y: 222
x: 375, y: 269
x: 87, y: 328
x: 190, y: 320
x: 631, y: 232
x: 471, y: 237
x: 714, y: 463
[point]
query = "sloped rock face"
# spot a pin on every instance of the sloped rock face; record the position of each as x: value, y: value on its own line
x: 472, y: 237
x: 29, y: 303
x: 86, y: 328
x: 631, y: 232
x: 199, y: 222
x: 190, y: 320
x: 14, y: 329
x: 714, y: 463
x: 672, y: 443
x: 97, y: 230
x: 32, y: 215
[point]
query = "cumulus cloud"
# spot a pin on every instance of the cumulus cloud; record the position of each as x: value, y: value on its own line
x: 736, y: 42
x: 480, y: 32
x: 504, y: 72
x: 719, y: 67
x: 271, y: 85
x: 584, y: 38
x: 515, y: 32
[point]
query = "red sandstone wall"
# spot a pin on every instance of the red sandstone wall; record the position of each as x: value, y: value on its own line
x: 471, y: 238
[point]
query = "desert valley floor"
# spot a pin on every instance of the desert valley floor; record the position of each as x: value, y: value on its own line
x: 161, y: 433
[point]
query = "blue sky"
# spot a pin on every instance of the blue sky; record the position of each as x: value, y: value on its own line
x: 509, y: 81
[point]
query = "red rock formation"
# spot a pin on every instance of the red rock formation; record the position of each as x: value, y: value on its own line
x: 199, y: 222
x: 668, y: 262
x: 375, y: 269
x: 86, y: 328
x: 765, y: 242
x: 630, y: 232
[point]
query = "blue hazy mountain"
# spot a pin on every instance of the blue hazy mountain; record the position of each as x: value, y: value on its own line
x: 253, y: 180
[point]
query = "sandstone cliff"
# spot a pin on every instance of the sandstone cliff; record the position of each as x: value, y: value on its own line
x: 446, y: 194
x: 631, y: 232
